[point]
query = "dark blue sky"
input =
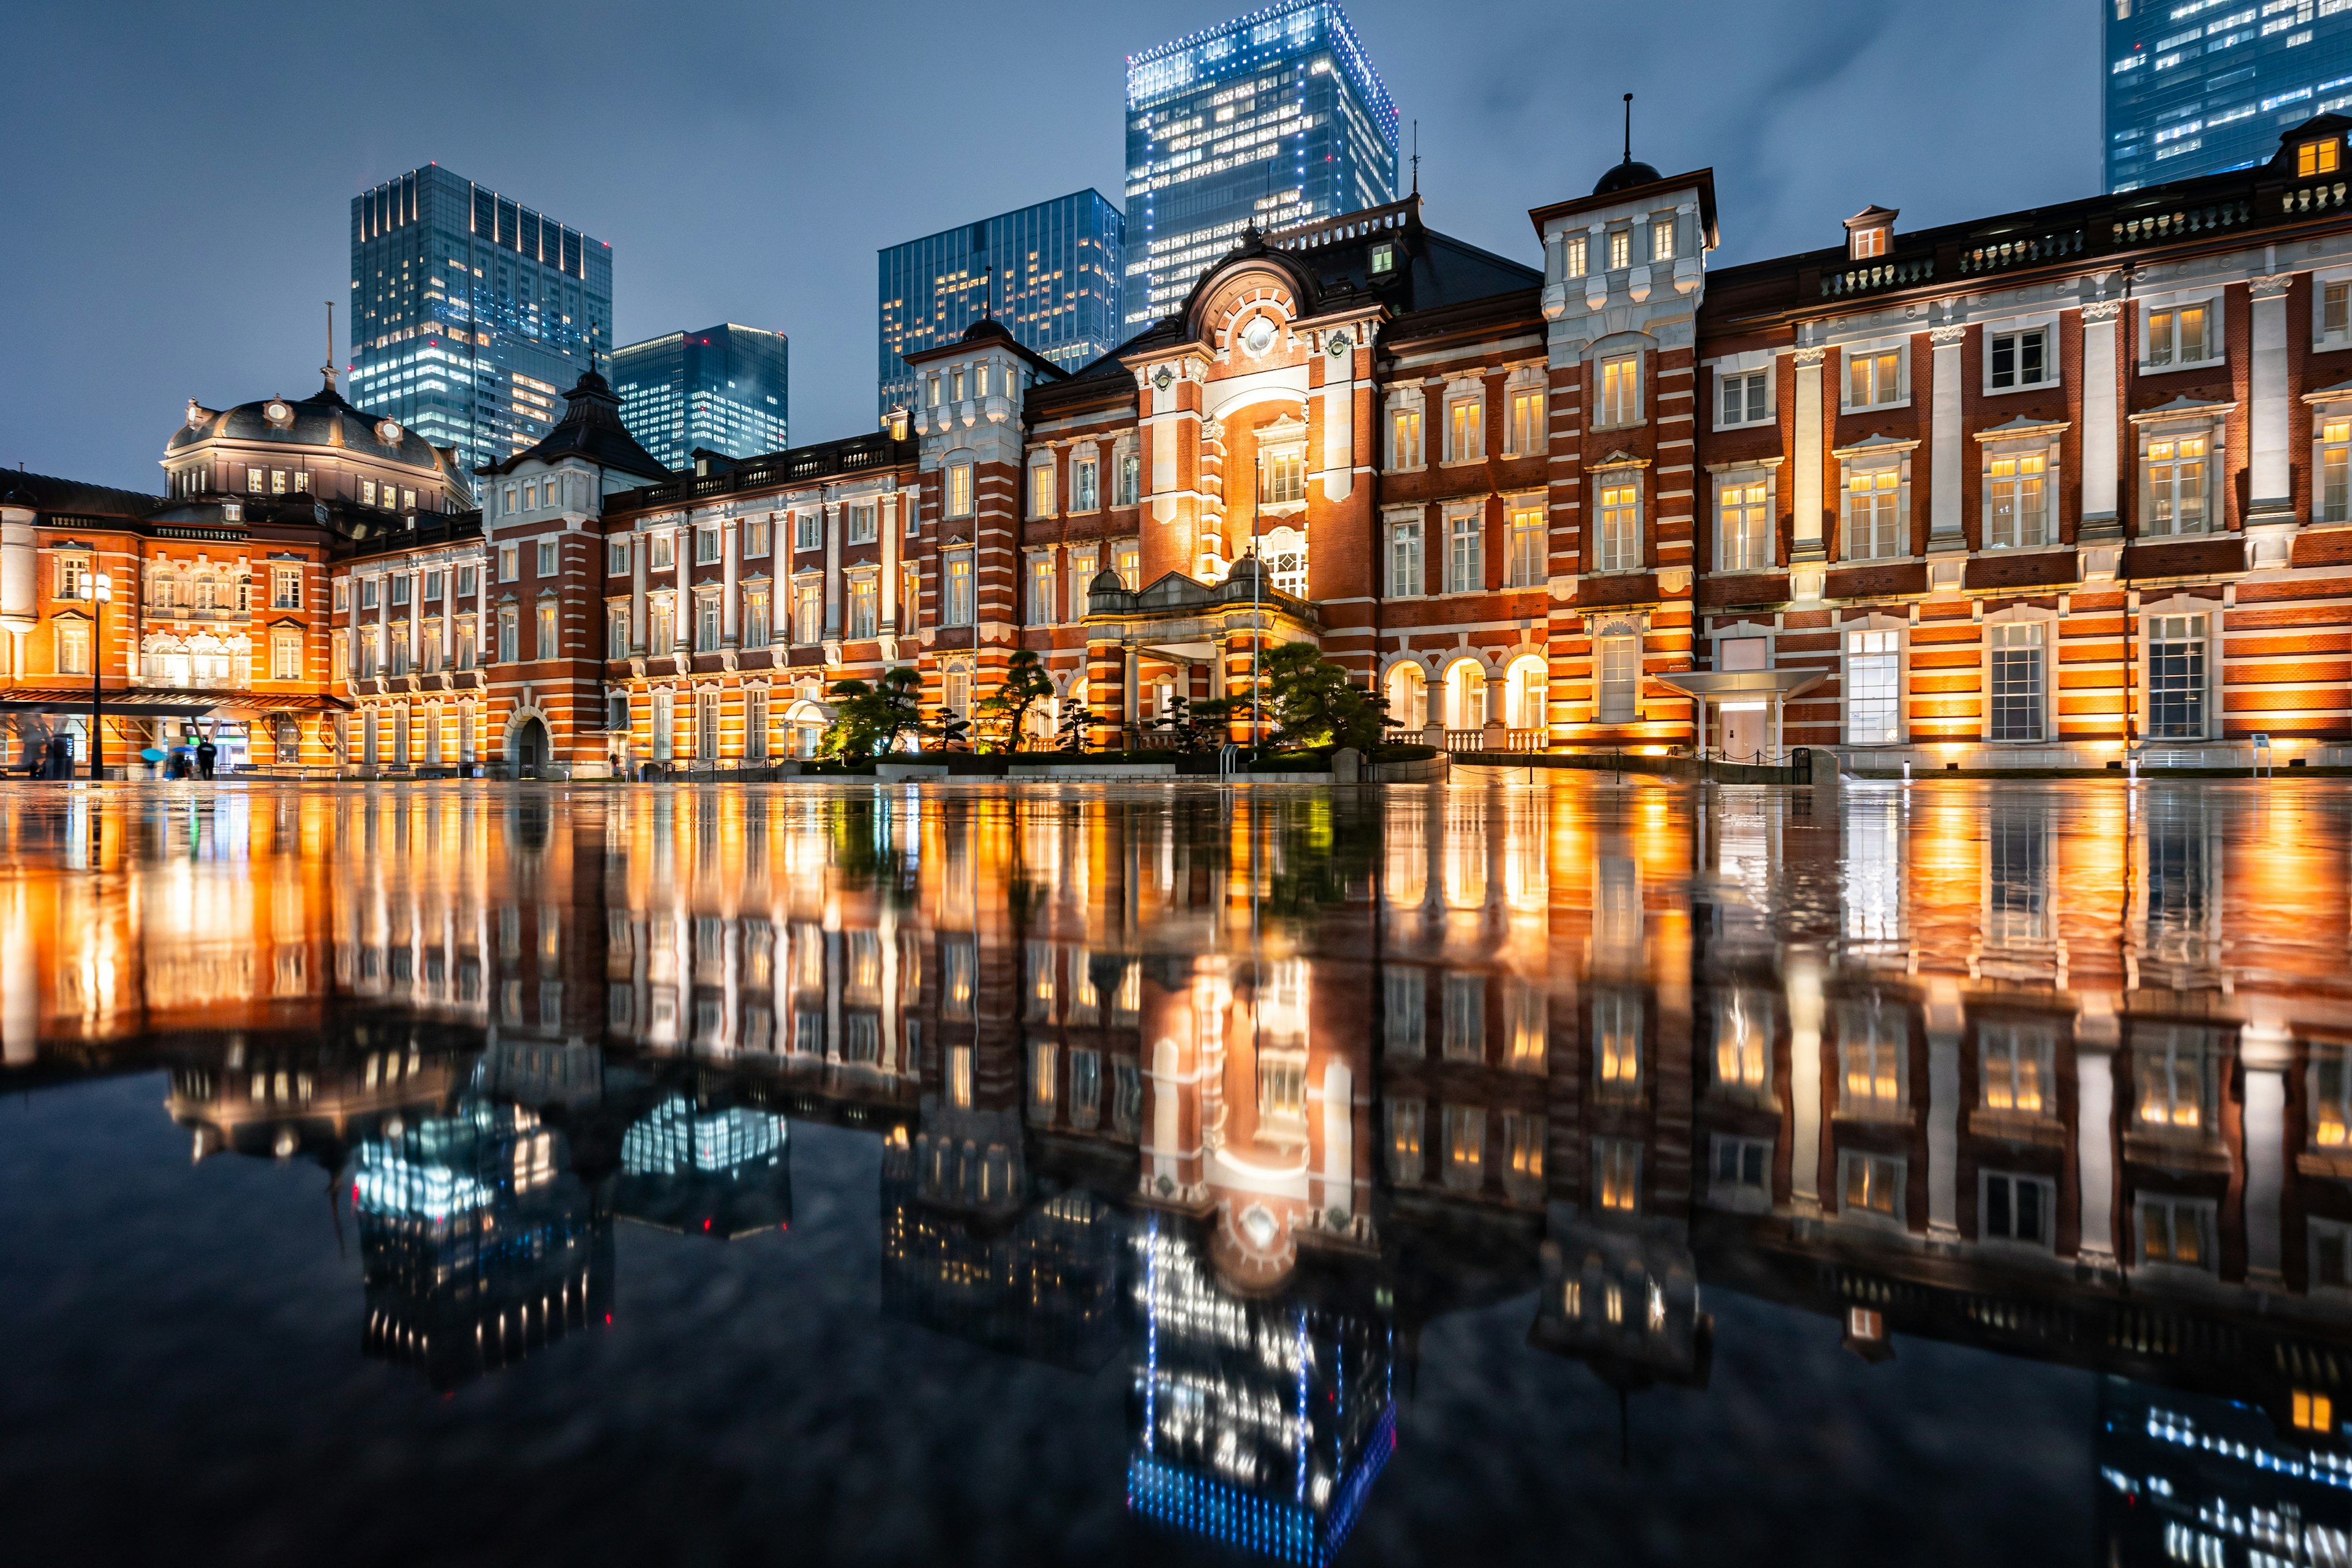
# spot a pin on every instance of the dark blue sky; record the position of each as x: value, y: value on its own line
x: 177, y: 178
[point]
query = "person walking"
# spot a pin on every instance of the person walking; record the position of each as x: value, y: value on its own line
x: 206, y: 753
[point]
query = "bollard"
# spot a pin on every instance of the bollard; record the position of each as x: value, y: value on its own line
x: 1906, y: 770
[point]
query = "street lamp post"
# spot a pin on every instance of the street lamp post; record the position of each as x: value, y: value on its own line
x: 101, y: 594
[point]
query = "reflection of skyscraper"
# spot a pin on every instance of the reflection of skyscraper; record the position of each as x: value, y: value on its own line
x: 2185, y: 1478
x: 477, y: 1243
x: 1263, y: 1421
x: 711, y: 1172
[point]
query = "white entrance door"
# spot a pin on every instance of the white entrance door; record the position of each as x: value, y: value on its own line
x: 1745, y: 731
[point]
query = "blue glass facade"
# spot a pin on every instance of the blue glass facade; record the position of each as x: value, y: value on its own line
x: 2196, y: 87
x: 722, y: 389
x: 1050, y: 273
x: 1274, y: 119
x: 471, y: 315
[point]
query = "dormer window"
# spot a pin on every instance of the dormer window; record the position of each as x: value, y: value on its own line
x: 1870, y: 233
x: 1383, y: 259
x: 2313, y: 158
x: 1868, y: 242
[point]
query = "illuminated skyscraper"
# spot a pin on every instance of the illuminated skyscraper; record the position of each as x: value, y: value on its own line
x: 471, y: 314
x: 1274, y: 119
x: 723, y: 389
x: 2198, y: 86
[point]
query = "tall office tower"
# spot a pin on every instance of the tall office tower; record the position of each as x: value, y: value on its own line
x: 1275, y: 118
x: 2196, y: 87
x: 721, y: 389
x: 471, y: 315
x: 1050, y: 273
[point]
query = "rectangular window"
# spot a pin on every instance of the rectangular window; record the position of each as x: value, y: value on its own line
x: 2334, y: 497
x: 368, y: 590
x: 546, y: 645
x: 1523, y: 431
x: 2017, y: 1208
x: 1873, y: 379
x: 1747, y: 527
x: 705, y: 623
x: 759, y: 536
x: 1867, y: 242
x: 2173, y: 1230
x: 755, y: 618
x: 616, y: 632
x: 1742, y: 1168
x: 508, y: 630
x: 1407, y: 579
x: 1281, y: 476
x: 2176, y: 486
x: 1621, y: 249
x: 1873, y: 704
x: 1576, y: 256
x: 1617, y: 1183
x: 1526, y: 566
x: 278, y: 481
x: 1405, y: 1013
x: 1874, y: 524
x: 1662, y: 239
x: 367, y: 486
x: 2315, y: 158
x: 755, y: 724
x: 1130, y: 490
x: 2017, y: 680
x: 73, y: 649
x: 1041, y: 592
x: 1041, y: 488
x: 956, y: 611
x: 2013, y: 1063
x: 911, y: 596
x: 808, y: 613
x: 660, y: 556
x: 2178, y: 335
x: 2017, y: 503
x: 2176, y: 677
x: 959, y: 489
x: 1465, y: 573
x: 1126, y: 559
x: 1085, y: 483
x: 865, y: 605
x: 1621, y: 391
x: 466, y: 582
x: 1617, y: 1046
x: 1466, y: 430
x: 1742, y: 397
x: 1618, y: 547
x: 547, y: 559
x: 510, y: 563
x: 286, y: 587
x: 399, y: 589
x: 1404, y: 439
x: 706, y: 546
x: 808, y: 530
x: 466, y: 642
x: 1620, y: 658
x: 286, y: 656
x: 2017, y: 359
x: 1874, y: 1184
x: 2335, y: 309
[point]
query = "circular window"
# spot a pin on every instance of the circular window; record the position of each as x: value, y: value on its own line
x: 278, y: 413
x: 1258, y: 336
x: 388, y: 432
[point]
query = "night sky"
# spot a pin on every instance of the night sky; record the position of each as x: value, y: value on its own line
x: 177, y: 179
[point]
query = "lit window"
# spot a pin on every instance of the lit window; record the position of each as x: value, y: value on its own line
x: 1406, y: 580
x: 1466, y: 430
x: 2335, y: 308
x: 546, y: 645
x: 957, y: 610
x: 1281, y: 476
x: 1874, y: 523
x: 1873, y: 712
x: 1662, y: 239
x: 808, y: 613
x: 1526, y: 566
x: 1747, y: 527
x: 1866, y: 242
x: 1872, y: 1183
x: 2017, y: 511
x: 2314, y: 1411
x: 1621, y: 391
x: 2313, y: 158
x: 1618, y: 548
x: 2017, y: 680
x: 2176, y: 486
x: 1523, y: 431
x: 1041, y: 488
x: 1404, y: 439
x: 2178, y: 335
x: 959, y: 489
x: 1126, y: 559
x: 1873, y: 379
x: 1575, y: 256
x: 2335, y: 495
x: 1621, y: 250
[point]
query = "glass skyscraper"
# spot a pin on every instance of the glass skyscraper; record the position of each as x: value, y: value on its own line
x: 471, y: 314
x: 1275, y: 118
x: 1050, y: 273
x: 721, y: 389
x: 2202, y: 86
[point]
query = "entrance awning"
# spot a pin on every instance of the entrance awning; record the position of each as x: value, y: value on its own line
x: 166, y: 702
x: 1734, y: 685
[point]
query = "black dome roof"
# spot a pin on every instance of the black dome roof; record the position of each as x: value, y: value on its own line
x: 1625, y: 177
x: 321, y: 419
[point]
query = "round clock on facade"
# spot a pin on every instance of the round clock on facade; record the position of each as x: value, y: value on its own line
x: 1258, y: 336
x: 278, y: 413
x: 1162, y: 377
x: 1337, y: 348
x: 388, y: 432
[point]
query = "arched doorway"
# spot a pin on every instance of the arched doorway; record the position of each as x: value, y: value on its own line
x: 1465, y: 695
x: 529, y: 744
x: 1524, y: 695
x: 1408, y: 695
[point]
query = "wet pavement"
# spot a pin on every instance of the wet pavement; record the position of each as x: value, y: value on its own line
x: 1500, y: 1171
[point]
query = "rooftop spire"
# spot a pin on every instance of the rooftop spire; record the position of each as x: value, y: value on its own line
x: 1629, y: 128
x: 328, y: 369
x: 1416, y: 157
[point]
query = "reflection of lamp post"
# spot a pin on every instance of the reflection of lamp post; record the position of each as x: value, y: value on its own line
x: 101, y: 594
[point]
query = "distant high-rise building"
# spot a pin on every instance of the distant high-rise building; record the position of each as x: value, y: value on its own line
x: 1275, y: 118
x: 471, y: 315
x: 721, y: 389
x: 2206, y: 86
x: 1050, y: 273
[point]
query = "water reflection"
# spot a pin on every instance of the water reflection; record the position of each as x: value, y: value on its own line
x: 1244, y: 1094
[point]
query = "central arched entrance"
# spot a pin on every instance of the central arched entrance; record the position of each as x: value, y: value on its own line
x: 529, y: 745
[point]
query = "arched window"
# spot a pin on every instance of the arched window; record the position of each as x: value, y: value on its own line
x: 1408, y: 695
x: 1465, y: 695
x: 1524, y: 695
x: 1284, y: 551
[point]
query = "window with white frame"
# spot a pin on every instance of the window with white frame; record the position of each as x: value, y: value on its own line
x: 2181, y: 334
x: 1872, y: 1183
x: 616, y: 631
x: 2177, y: 473
x: 808, y: 612
x: 956, y: 605
x: 2176, y: 677
x: 2333, y: 303
x: 1126, y: 559
x: 706, y: 545
x: 1041, y: 487
x: 1874, y: 689
x: 755, y: 618
x: 2176, y: 1230
x: 659, y: 557
x: 2331, y: 498
x: 1525, y: 567
x: 865, y: 525
x: 1621, y: 249
x: 1621, y: 392
x: 286, y: 656
x: 2019, y: 359
x: 1617, y: 660
x: 865, y: 603
x: 1040, y: 590
x: 1282, y: 473
x: 1404, y: 438
x: 1662, y: 238
x: 959, y: 489
x: 2018, y: 679
x: 2016, y: 1209
x: 1742, y: 397
x: 1617, y: 545
x: 759, y: 536
x: 2017, y: 501
x: 1128, y: 491
x: 1085, y: 480
x: 1874, y: 377
x: 73, y: 647
x: 1744, y: 527
x: 617, y: 558
x: 1407, y: 578
x: 1466, y: 426
x: 1575, y: 256
x: 1465, y: 567
x: 1523, y: 426
x: 1875, y: 513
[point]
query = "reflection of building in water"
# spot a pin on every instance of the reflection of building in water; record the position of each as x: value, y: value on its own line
x: 713, y: 1171
x: 2195, y: 1479
x: 312, y: 1094
x: 478, y: 1244
x: 1260, y: 1421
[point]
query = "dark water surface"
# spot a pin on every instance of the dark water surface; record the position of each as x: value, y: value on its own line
x: 801, y: 1172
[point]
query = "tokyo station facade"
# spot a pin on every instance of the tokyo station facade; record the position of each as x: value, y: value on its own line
x: 2022, y: 492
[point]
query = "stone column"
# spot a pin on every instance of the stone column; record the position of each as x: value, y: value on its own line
x: 1945, y: 443
x: 1806, y: 496
x: 638, y: 554
x: 730, y: 556
x: 2272, y: 487
x: 833, y: 571
x: 2096, y: 1035
x: 2102, y: 408
x: 887, y: 512
x: 2267, y: 1052
x: 1944, y: 1112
